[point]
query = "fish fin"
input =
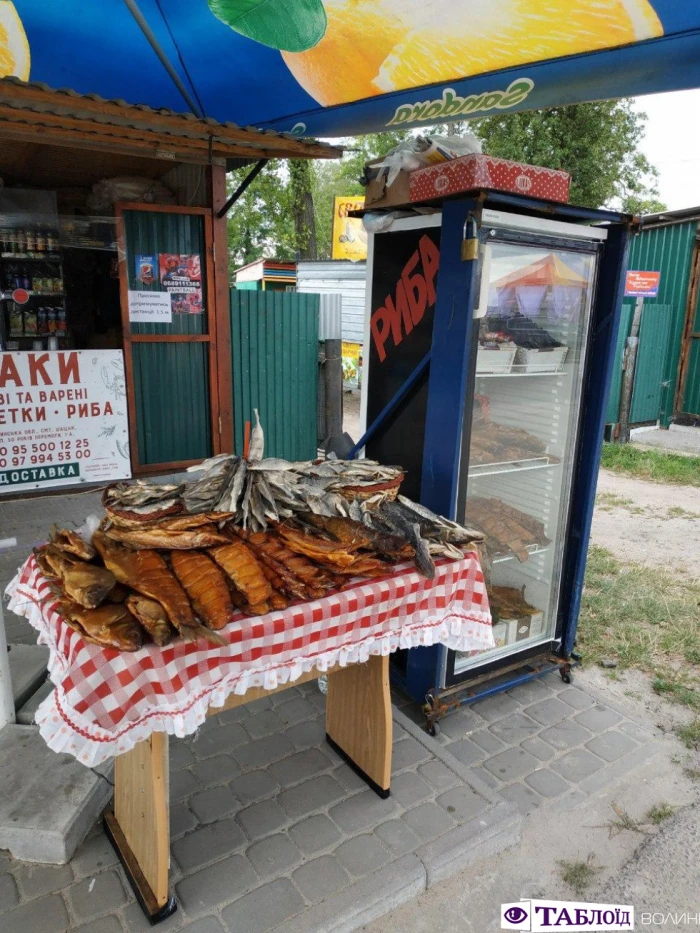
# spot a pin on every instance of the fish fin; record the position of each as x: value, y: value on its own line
x: 195, y: 632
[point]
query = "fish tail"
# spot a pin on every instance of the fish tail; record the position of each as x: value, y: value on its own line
x: 195, y: 632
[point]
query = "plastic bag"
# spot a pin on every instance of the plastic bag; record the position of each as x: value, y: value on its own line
x: 89, y: 527
x: 127, y: 188
x: 420, y: 151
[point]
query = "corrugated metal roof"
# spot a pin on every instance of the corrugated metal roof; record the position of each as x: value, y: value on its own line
x: 338, y: 276
x: 670, y: 217
x: 17, y: 98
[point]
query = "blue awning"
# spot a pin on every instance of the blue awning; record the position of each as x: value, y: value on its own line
x: 341, y: 67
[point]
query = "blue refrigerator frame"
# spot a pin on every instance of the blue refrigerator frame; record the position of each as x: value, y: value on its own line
x: 422, y: 675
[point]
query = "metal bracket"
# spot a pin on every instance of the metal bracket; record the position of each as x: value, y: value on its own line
x: 250, y: 177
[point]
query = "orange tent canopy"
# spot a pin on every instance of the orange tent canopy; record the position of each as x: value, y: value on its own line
x: 548, y: 271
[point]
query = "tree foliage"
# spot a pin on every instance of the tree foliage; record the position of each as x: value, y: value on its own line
x: 287, y: 211
x: 597, y: 143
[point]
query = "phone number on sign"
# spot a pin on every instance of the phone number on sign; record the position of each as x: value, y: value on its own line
x: 17, y: 455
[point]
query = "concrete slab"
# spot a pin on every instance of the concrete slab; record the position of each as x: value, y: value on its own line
x: 48, y: 802
x: 27, y: 671
x: 678, y: 439
x: 26, y: 714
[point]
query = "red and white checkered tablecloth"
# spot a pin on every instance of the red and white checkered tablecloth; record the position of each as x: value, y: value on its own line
x: 107, y: 701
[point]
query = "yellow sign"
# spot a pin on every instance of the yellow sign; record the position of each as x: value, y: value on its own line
x: 351, y: 351
x: 349, y: 239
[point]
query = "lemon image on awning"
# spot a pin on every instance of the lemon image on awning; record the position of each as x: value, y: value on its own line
x: 14, y: 47
x: 373, y: 47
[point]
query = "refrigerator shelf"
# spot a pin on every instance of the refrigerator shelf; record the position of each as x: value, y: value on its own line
x: 533, y: 550
x: 510, y: 466
x: 558, y: 371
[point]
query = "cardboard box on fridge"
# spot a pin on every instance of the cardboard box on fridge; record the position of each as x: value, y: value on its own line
x: 379, y: 194
x: 481, y: 171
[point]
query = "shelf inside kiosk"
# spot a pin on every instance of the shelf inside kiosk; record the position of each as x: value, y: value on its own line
x: 59, y: 286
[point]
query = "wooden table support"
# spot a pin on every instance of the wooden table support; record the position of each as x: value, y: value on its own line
x: 358, y: 727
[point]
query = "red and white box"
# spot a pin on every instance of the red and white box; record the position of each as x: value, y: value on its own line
x: 482, y: 171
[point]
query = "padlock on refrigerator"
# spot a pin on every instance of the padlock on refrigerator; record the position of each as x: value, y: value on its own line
x: 470, y: 240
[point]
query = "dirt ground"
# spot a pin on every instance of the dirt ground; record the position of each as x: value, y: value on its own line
x: 648, y: 523
x: 351, y: 413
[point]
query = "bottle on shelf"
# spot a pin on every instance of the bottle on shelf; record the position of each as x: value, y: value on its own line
x: 16, y: 322
x: 40, y: 241
x: 30, y: 323
x: 31, y: 241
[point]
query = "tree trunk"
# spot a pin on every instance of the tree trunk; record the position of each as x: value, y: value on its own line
x: 305, y: 245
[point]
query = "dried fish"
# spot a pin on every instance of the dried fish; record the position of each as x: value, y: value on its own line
x: 72, y: 543
x: 206, y: 492
x: 148, y: 574
x: 85, y: 584
x: 231, y: 504
x: 151, y: 536
x: 110, y: 626
x: 151, y: 615
x: 256, y: 448
x: 239, y: 563
x: 205, y: 585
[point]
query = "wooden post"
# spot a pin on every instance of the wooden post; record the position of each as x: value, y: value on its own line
x: 217, y: 194
x: 630, y: 363
x: 358, y: 720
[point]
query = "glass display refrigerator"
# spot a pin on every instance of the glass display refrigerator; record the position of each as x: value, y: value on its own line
x: 490, y: 328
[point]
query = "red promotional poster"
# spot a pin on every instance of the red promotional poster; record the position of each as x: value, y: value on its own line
x: 181, y: 277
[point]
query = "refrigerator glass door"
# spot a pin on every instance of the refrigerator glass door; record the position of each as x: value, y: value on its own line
x: 529, y: 368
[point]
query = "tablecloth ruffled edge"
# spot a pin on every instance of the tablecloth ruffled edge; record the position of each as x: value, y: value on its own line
x: 60, y: 726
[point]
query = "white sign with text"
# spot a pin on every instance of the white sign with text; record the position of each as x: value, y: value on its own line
x: 63, y: 419
x: 150, y: 307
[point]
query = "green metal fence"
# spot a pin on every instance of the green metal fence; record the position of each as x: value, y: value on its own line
x: 274, y: 348
x: 668, y: 250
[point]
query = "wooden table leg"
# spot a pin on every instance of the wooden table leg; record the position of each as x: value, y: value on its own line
x: 358, y: 720
x: 139, y: 827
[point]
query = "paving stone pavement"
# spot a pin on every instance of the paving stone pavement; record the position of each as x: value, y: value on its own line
x: 290, y: 837
x: 271, y: 830
x: 544, y: 740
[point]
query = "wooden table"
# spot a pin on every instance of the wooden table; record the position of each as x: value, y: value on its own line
x: 358, y: 727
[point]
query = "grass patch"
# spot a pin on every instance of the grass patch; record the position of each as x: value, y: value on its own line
x: 579, y: 875
x: 623, y: 822
x: 690, y: 734
x: 677, y: 511
x: 659, y: 813
x: 642, y: 617
x: 655, y: 465
x: 607, y: 501
x: 677, y: 691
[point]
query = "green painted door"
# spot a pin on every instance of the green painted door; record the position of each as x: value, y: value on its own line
x: 651, y: 362
x: 274, y: 348
x: 168, y: 364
